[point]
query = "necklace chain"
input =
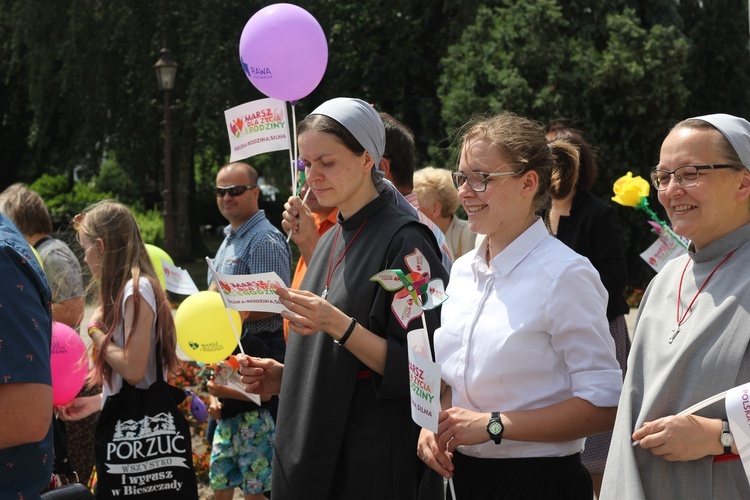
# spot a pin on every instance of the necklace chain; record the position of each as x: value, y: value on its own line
x: 681, y: 320
x: 330, y: 271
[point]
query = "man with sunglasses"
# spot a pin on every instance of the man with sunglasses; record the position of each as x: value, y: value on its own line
x: 251, y: 245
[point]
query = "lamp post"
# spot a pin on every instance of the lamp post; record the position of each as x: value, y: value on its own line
x: 166, y: 71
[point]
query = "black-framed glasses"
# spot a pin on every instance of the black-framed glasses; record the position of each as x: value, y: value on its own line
x: 477, y: 180
x: 232, y: 190
x: 686, y: 175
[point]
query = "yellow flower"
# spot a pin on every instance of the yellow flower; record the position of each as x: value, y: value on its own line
x: 629, y: 190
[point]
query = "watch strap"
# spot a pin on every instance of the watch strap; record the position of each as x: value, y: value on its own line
x: 495, y: 420
x: 725, y: 430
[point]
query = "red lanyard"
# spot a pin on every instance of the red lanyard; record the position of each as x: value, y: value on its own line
x: 681, y: 320
x: 329, y: 273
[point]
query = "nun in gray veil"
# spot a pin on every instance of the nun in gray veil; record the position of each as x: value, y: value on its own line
x: 344, y: 426
x: 691, y: 337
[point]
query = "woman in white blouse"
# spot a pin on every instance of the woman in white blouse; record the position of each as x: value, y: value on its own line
x: 527, y: 358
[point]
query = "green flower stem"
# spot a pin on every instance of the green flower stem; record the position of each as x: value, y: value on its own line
x: 643, y: 205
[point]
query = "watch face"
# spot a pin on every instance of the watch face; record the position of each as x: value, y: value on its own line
x: 726, y: 439
x: 495, y: 428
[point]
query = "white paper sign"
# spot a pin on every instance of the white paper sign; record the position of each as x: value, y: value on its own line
x: 738, y: 413
x: 177, y: 279
x: 228, y: 376
x: 257, y: 127
x: 424, y: 381
x: 665, y: 248
x: 249, y: 292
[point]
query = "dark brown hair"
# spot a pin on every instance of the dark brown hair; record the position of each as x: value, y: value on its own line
x: 587, y: 169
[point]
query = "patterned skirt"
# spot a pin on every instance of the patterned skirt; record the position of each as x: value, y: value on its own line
x: 594, y: 456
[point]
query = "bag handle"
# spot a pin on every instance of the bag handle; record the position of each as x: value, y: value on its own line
x: 157, y: 353
x: 63, y: 465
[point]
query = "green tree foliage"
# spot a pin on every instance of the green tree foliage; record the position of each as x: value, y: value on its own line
x: 76, y: 82
x: 64, y: 203
x: 719, y: 62
x: 599, y: 69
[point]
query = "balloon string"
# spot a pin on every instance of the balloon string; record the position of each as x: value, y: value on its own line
x: 224, y: 300
x: 234, y: 330
x: 289, y: 236
x: 295, y: 172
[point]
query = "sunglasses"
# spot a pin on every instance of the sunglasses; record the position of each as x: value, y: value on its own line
x: 78, y: 221
x: 232, y: 190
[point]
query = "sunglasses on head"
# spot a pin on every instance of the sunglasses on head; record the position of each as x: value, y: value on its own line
x: 78, y: 221
x: 232, y: 190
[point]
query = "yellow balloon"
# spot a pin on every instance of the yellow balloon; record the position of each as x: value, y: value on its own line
x: 38, y: 258
x: 157, y: 254
x: 203, y: 329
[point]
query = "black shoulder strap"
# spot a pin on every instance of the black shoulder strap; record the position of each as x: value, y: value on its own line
x: 63, y: 467
x: 40, y: 241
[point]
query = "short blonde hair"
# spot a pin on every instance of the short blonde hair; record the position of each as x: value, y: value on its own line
x: 26, y: 209
x: 437, y: 183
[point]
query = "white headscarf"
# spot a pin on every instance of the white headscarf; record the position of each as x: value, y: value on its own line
x: 737, y: 132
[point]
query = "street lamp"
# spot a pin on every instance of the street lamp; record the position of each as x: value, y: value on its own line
x: 166, y: 72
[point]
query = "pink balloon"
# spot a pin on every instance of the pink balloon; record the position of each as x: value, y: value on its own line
x: 284, y: 51
x: 69, y: 363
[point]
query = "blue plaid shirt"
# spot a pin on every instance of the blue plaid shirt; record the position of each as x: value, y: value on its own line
x: 255, y: 247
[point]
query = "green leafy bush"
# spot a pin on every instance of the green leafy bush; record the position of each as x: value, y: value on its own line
x: 63, y: 202
x: 151, y: 223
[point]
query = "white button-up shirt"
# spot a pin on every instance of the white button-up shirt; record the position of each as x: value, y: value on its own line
x: 529, y: 332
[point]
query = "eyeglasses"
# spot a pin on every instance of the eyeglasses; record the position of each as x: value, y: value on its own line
x: 78, y: 221
x: 686, y: 176
x: 477, y: 180
x: 232, y: 190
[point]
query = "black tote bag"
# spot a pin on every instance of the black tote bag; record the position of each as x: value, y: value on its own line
x: 143, y: 446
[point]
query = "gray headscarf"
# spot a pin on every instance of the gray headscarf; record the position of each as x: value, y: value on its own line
x: 360, y: 119
x: 365, y: 124
x: 737, y: 132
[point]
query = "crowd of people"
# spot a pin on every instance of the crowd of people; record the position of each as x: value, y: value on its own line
x: 542, y: 394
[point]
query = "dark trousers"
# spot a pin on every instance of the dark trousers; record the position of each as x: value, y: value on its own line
x: 521, y: 478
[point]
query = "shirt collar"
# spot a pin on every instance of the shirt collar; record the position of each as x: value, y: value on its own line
x: 513, y: 254
x: 246, y: 226
x: 412, y: 199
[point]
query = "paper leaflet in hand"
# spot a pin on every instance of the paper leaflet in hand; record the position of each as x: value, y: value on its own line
x: 249, y: 292
x: 414, y: 291
x: 177, y: 279
x: 227, y: 373
x: 424, y: 381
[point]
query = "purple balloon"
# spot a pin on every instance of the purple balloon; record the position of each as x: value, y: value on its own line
x: 284, y: 51
x: 197, y: 407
